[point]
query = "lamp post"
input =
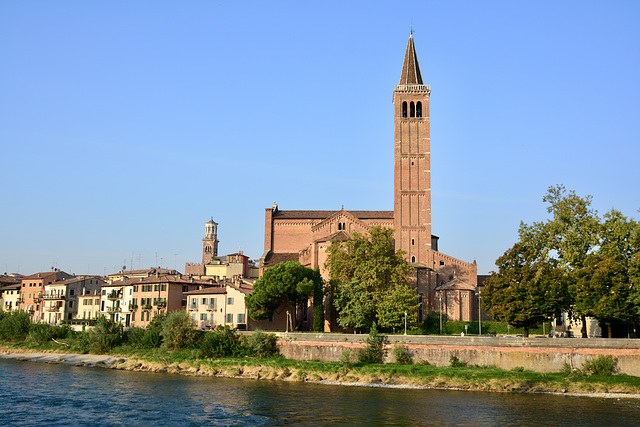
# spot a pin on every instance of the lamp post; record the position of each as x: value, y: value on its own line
x: 479, y: 315
x: 405, y: 323
x: 287, y: 321
x: 440, y: 296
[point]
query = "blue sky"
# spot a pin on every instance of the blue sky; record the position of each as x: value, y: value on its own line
x: 124, y: 126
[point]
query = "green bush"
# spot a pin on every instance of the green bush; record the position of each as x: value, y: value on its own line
x: 402, y: 355
x: 263, y: 345
x: 43, y: 333
x: 178, y: 330
x: 454, y: 362
x: 14, y: 325
x: 431, y: 323
x: 372, y: 352
x: 601, y: 365
x: 221, y: 342
x: 100, y: 339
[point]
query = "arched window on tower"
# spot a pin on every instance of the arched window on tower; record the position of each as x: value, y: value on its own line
x: 413, y: 259
x: 404, y: 109
x: 207, y: 249
x: 419, y: 109
x: 413, y: 109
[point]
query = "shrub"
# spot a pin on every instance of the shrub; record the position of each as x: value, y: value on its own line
x: 431, y: 323
x: 42, y: 333
x: 454, y: 362
x: 14, y: 325
x: 372, y: 352
x: 345, y: 359
x: 601, y: 365
x: 263, y: 345
x: 402, y: 355
x: 178, y: 330
x: 104, y: 336
x: 221, y: 342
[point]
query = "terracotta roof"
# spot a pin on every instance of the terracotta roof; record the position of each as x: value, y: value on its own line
x: 293, y: 214
x: 168, y: 278
x: 339, y: 235
x: 48, y: 275
x: 8, y: 279
x: 215, y: 290
x: 274, y: 258
x: 456, y: 284
x: 410, y: 68
x: 11, y: 287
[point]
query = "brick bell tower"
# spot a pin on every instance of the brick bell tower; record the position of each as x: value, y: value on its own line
x: 412, y: 162
x: 210, y: 241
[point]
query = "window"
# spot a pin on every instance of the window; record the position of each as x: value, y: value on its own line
x: 404, y: 109
x: 163, y: 287
x: 419, y: 109
x: 70, y: 304
x: 230, y: 301
x: 413, y: 259
x: 413, y: 242
x: 241, y: 318
x: 156, y: 288
x: 441, y: 262
x: 229, y: 318
x: 204, y: 301
x: 413, y: 109
x: 135, y: 288
x: 70, y: 291
x: 203, y: 316
x: 104, y: 292
x: 207, y: 250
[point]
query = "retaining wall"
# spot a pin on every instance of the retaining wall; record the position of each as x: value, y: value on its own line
x: 536, y: 354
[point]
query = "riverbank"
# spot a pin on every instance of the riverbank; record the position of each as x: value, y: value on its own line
x: 386, y: 375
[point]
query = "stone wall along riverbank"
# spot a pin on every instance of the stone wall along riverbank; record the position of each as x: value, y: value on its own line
x: 535, y: 354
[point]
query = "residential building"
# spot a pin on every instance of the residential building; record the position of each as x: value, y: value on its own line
x: 33, y: 288
x: 135, y: 301
x: 60, y: 298
x: 89, y: 305
x: 10, y: 297
x: 221, y: 305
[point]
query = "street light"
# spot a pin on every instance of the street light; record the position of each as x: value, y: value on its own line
x: 479, y: 315
x: 405, y: 323
x: 440, y: 296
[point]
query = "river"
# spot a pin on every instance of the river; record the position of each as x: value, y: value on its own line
x: 55, y: 395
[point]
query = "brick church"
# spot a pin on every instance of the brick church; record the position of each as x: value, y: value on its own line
x: 441, y: 281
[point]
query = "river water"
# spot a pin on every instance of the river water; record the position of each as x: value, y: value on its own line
x: 51, y: 395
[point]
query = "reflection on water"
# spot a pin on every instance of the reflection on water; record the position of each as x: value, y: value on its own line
x: 41, y: 394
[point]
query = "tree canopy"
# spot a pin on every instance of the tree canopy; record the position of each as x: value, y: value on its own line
x: 587, y: 265
x: 288, y: 283
x: 370, y: 281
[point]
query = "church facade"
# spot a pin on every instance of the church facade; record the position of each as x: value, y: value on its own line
x: 443, y: 282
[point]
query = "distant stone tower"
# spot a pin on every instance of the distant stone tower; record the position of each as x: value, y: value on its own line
x: 412, y: 163
x: 210, y: 241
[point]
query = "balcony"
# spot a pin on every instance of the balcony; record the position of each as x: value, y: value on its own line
x: 193, y: 307
x: 212, y: 307
x: 114, y: 296
x: 53, y: 308
x: 50, y: 297
x: 146, y: 307
x: 114, y: 309
x: 37, y: 299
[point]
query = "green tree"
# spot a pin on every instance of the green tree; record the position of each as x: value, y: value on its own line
x: 370, y: 280
x: 602, y: 290
x: 288, y: 283
x: 526, y: 290
x: 178, y: 330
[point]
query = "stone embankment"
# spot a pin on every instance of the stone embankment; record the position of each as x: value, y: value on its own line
x: 537, y: 354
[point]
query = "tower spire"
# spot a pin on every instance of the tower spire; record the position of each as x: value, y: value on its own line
x: 410, y: 68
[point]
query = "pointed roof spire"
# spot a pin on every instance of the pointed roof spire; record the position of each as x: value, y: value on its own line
x: 410, y: 68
